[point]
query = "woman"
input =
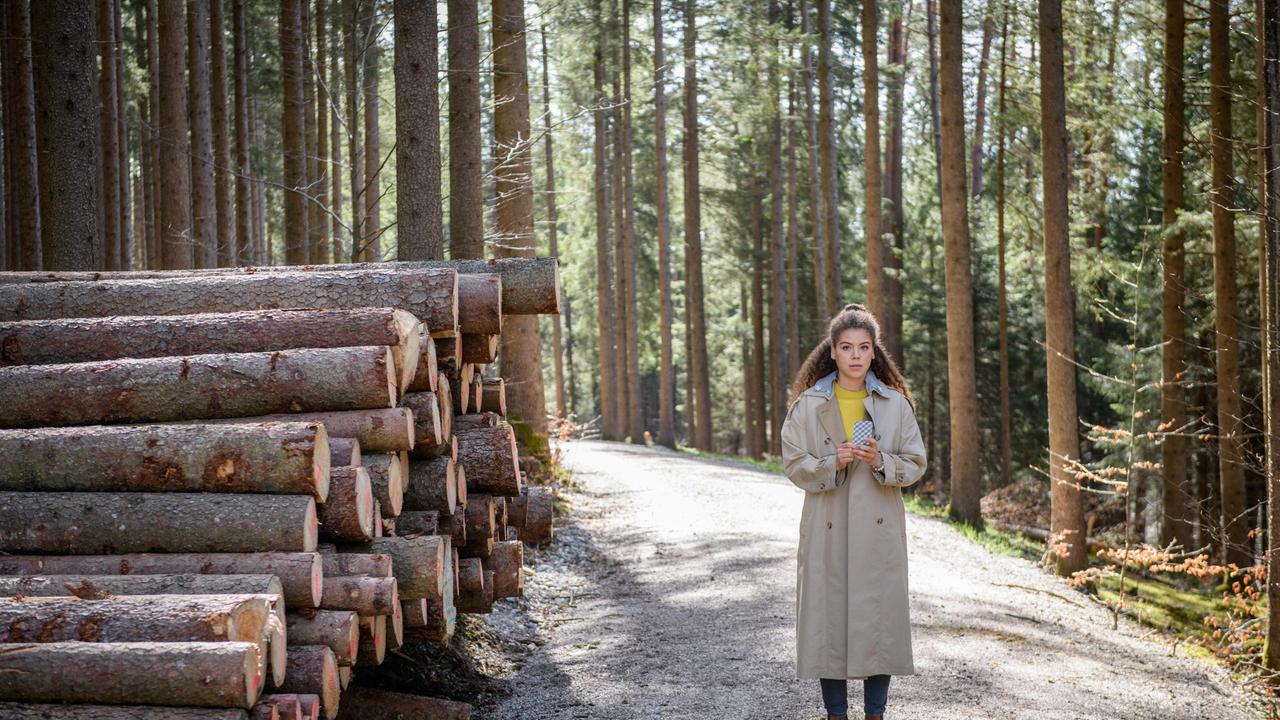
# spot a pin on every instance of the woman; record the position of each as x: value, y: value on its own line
x: 852, y: 613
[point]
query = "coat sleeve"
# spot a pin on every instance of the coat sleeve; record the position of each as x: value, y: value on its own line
x: 804, y: 469
x: 906, y: 466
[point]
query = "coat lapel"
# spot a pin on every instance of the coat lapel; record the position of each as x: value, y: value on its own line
x: 829, y: 411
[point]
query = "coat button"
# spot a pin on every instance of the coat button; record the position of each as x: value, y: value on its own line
x: 828, y: 526
x: 827, y: 441
x: 879, y: 521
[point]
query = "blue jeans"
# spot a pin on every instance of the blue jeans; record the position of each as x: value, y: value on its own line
x: 875, y: 694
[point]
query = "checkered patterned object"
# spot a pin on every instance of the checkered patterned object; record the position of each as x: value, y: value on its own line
x: 862, y: 430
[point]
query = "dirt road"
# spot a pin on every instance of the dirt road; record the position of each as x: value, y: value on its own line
x: 670, y: 594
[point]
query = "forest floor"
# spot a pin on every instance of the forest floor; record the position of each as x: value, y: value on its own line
x: 669, y: 593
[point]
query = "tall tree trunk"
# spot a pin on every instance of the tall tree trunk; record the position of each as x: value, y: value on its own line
x: 1067, y: 516
x: 759, y: 385
x: 466, y: 174
x: 750, y: 399
x: 962, y: 397
x: 873, y: 184
x: 153, y: 114
x: 317, y: 241
x: 553, y: 220
x: 333, y: 108
x: 372, y: 54
x: 222, y: 191
x: 418, y: 221
x: 521, y: 344
x: 622, y: 421
x: 827, y: 151
x: 817, y: 214
x: 1178, y: 518
x: 122, y: 137
x: 321, y: 177
x: 635, y: 405
x: 606, y: 331
x: 700, y: 382
x: 1230, y: 458
x: 892, y: 318
x: 23, y: 181
x: 1268, y: 12
x: 353, y: 60
x: 793, y: 240
x: 1006, y: 409
x: 203, y: 209
x: 294, y: 134
x: 935, y: 101
x: 667, y: 378
x: 262, y: 250
x: 777, y: 362
x: 244, y: 189
x: 63, y: 62
x: 108, y: 122
x: 980, y: 103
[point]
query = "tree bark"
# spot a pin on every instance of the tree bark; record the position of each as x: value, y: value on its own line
x: 63, y: 68
x: 365, y: 596
x: 1268, y: 60
x: 317, y: 241
x: 293, y: 133
x: 22, y: 183
x: 197, y: 386
x: 222, y: 177
x: 553, y: 220
x: 347, y: 514
x: 430, y: 294
x: 700, y: 381
x: 827, y: 151
x: 418, y: 563
x: 1067, y: 521
x: 466, y: 174
x: 203, y: 203
x: 894, y: 252
x: 377, y: 430
x: 72, y: 340
x: 87, y: 523
x: 300, y: 573
x: 344, y: 451
x: 521, y: 342
x: 313, y: 670
x: 428, y: 430
x: 432, y: 486
x: 418, y: 213
x: 1230, y: 455
x: 177, y: 248
x: 213, y: 675
x: 109, y: 138
x: 387, y: 478
x: 427, y: 375
x: 285, y: 458
x: 353, y: 63
x: 372, y: 61
x: 244, y: 244
x: 339, y: 630
x: 635, y: 408
x: 963, y: 401
x: 37, y: 711
x: 777, y: 257
x: 1002, y: 300
x: 873, y: 186
x: 1178, y: 517
x: 333, y: 105
x: 97, y: 587
x: 534, y: 513
x: 143, y: 618
x: 980, y: 102
x: 817, y: 214
x: 490, y: 457
x: 530, y: 286
x: 606, y: 322
x: 418, y: 522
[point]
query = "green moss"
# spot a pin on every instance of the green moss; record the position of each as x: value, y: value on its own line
x: 773, y: 465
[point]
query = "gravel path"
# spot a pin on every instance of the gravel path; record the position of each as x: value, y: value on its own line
x: 669, y: 593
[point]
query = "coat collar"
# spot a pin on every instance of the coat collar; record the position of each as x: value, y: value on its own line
x: 827, y: 384
x: 829, y: 414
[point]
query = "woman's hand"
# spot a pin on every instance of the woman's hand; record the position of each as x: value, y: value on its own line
x: 868, y: 452
x: 845, y: 454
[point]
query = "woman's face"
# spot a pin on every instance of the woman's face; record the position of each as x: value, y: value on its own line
x: 853, y: 351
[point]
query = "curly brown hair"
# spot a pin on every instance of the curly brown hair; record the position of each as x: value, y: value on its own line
x: 819, y: 364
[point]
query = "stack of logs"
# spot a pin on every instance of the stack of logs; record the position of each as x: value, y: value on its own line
x: 263, y: 497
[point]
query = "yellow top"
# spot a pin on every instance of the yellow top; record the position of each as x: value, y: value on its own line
x: 851, y: 407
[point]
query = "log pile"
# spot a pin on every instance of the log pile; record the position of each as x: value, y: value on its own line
x: 243, y: 508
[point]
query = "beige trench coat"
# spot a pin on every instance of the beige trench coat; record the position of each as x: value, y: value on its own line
x: 853, y: 618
